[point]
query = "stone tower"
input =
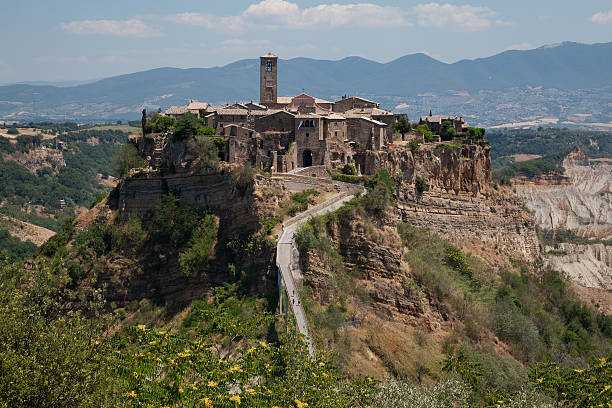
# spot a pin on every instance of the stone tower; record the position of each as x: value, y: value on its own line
x: 268, y: 85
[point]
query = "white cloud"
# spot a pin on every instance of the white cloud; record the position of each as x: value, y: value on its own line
x: 132, y: 27
x: 282, y: 14
x: 456, y: 18
x: 520, y: 46
x: 604, y: 17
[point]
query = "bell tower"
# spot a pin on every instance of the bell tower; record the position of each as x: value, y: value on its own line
x: 268, y: 79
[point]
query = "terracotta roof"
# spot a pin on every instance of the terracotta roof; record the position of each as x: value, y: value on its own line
x: 195, y: 105
x: 335, y: 116
x: 269, y: 55
x: 437, y: 118
x: 274, y: 112
x: 262, y: 112
x: 368, y: 111
x: 176, y: 110
x: 288, y: 99
x: 256, y: 105
x: 376, y: 122
x: 232, y: 111
x: 357, y: 97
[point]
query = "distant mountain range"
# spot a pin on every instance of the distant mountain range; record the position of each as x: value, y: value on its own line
x: 558, y: 80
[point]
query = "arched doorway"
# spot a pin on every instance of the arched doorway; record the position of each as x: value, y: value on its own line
x: 307, y: 158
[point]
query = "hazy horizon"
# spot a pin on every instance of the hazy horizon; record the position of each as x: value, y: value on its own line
x: 65, y: 41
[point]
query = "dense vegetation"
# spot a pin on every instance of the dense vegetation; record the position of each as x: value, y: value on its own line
x: 37, y: 198
x: 13, y: 249
x: 531, y: 168
x: 545, y: 142
x: 550, y: 237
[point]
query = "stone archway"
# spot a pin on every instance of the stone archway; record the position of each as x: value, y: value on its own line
x: 307, y: 158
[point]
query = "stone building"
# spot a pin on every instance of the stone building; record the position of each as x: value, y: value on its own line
x: 279, y: 134
x: 434, y: 122
x: 268, y: 80
x: 353, y: 102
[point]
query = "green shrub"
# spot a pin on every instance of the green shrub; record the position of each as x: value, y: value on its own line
x: 13, y: 250
x: 12, y: 131
x: 242, y: 178
x: 300, y: 201
x: 453, y: 147
x: 349, y: 170
x: 195, y: 256
x: 347, y: 178
x: 413, y: 145
x: 420, y: 185
x: 207, y: 155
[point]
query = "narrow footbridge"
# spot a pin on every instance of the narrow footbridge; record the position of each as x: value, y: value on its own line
x: 284, y: 259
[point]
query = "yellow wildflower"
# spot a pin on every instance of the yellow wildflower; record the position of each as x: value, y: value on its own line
x: 207, y: 403
x: 602, y: 360
x: 578, y: 371
x: 540, y: 380
x: 250, y: 391
x: 235, y: 368
x: 212, y: 383
x: 131, y: 394
x: 141, y: 327
x: 249, y: 351
x: 236, y: 399
x: 321, y: 364
x: 300, y: 404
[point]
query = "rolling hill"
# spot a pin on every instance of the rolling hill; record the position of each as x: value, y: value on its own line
x: 544, y: 78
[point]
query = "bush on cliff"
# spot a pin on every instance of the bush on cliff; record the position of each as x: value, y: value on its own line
x: 127, y: 158
x: 242, y: 177
x: 186, y: 126
x: 207, y: 154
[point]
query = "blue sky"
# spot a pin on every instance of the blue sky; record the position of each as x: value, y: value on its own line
x: 62, y: 40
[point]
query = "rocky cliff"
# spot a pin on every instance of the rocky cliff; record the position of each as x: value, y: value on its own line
x: 460, y: 202
x: 447, y: 167
x: 240, y: 208
x: 579, y: 201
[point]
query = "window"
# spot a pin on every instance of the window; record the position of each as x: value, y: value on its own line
x: 307, y: 134
x: 269, y: 97
x: 269, y: 65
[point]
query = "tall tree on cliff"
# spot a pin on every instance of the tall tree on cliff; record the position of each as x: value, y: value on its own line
x: 143, y: 121
x: 402, y: 126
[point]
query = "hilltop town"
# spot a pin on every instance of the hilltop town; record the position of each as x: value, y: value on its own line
x: 282, y: 134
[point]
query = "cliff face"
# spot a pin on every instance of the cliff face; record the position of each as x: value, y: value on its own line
x: 155, y: 274
x: 240, y: 209
x: 467, y: 169
x: 492, y: 227
x: 579, y: 201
